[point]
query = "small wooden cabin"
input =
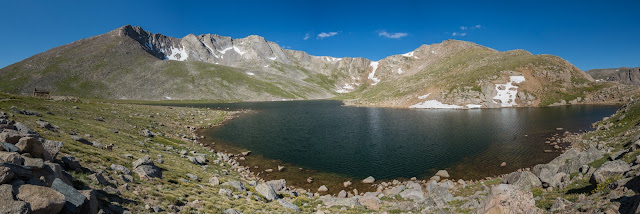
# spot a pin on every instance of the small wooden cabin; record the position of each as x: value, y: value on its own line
x: 40, y: 93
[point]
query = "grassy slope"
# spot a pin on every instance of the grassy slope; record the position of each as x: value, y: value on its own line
x: 470, y: 68
x: 129, y: 120
x: 118, y: 67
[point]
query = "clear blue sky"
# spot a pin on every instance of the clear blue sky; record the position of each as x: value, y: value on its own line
x: 590, y: 34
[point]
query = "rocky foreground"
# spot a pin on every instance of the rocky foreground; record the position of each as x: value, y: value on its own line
x: 69, y: 156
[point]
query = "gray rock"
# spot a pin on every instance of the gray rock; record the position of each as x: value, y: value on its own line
x: 44, y: 124
x: 370, y: 202
x: 192, y: 177
x: 369, y: 180
x: 214, y: 181
x: 438, y: 192
x: 14, y: 207
x: 523, y: 180
x: 52, y: 148
x: 34, y: 163
x: 198, y: 160
x: 609, y: 169
x: 146, y: 160
x: 11, y: 157
x: 443, y: 174
x: 32, y: 146
x: 323, y: 188
x: 412, y: 194
x: 6, y: 192
x: 43, y: 200
x: 235, y: 184
x: 560, y: 180
x: 288, y: 205
x: 267, y: 192
x: 277, y: 184
x: 8, y: 147
x: 394, y: 191
x: 559, y: 204
x: 120, y: 168
x: 342, y: 194
x: 10, y: 136
x: 18, y: 171
x: 99, y: 178
x: 506, y: 198
x: 344, y: 202
x: 225, y: 192
x: 148, y: 171
x: 571, y: 162
x: 74, y: 199
x: 71, y: 162
x: 50, y: 172
x: 23, y: 129
x: 231, y: 211
x: 81, y: 140
x: 146, y: 133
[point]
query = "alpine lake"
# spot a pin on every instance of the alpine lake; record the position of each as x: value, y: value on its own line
x: 334, y: 143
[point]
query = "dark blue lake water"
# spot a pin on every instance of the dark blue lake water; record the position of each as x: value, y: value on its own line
x: 389, y: 143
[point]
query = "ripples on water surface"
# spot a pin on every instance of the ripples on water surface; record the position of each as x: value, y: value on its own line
x: 390, y: 143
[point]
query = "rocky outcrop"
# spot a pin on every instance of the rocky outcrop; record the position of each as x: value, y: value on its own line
x: 146, y: 169
x: 608, y: 170
x: 506, y: 198
x: 31, y: 183
x: 42, y: 200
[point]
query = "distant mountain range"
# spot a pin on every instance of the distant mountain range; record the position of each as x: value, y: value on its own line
x: 130, y: 63
x: 624, y: 75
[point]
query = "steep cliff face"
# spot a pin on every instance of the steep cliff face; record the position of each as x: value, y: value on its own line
x: 624, y: 75
x: 130, y: 63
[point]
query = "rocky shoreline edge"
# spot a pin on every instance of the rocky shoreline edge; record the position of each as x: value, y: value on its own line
x: 506, y: 193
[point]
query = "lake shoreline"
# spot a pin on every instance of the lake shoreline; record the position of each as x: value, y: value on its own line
x: 256, y: 165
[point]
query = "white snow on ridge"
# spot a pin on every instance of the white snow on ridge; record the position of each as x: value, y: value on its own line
x: 237, y: 50
x: 250, y: 74
x: 223, y: 51
x: 434, y: 104
x: 273, y: 58
x: 374, y: 67
x: 175, y: 52
x: 400, y: 71
x: 410, y: 54
x: 331, y: 59
x: 507, y: 92
x: 211, y: 50
x: 424, y: 96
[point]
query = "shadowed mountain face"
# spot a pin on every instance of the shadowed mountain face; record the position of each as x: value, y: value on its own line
x: 130, y: 63
x: 624, y: 75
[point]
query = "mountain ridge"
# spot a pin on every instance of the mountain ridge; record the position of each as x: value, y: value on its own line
x: 131, y: 63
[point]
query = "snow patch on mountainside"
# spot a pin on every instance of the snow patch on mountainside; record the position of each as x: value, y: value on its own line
x: 331, y: 59
x: 507, y: 92
x: 237, y: 50
x: 424, y: 96
x: 211, y: 50
x: 345, y: 89
x: 473, y: 106
x: 273, y: 58
x: 434, y: 104
x: 178, y: 54
x: 374, y: 67
x: 410, y: 54
x: 400, y: 71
